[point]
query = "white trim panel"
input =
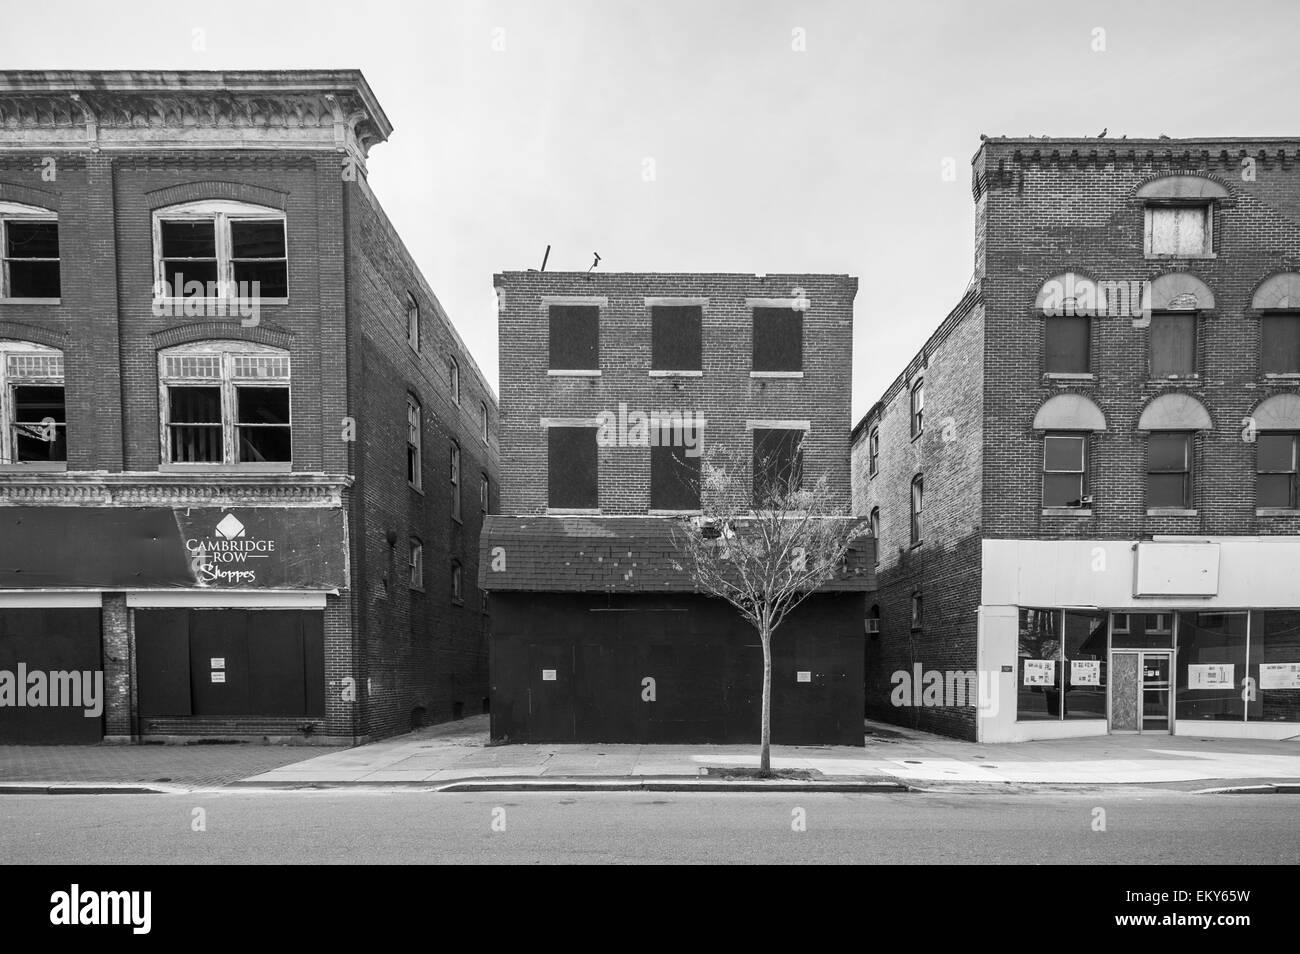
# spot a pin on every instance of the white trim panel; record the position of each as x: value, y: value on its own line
x: 235, y: 599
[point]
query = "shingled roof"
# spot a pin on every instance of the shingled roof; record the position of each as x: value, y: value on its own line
x: 610, y: 555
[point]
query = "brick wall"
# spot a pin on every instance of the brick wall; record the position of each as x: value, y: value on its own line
x: 1063, y: 208
x: 426, y: 655
x: 726, y: 396
x: 945, y: 566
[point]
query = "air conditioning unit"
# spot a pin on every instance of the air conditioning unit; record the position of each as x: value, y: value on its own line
x: 873, y: 626
x: 1085, y: 501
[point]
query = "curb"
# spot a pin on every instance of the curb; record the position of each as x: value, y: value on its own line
x: 686, y: 783
x: 62, y: 788
x: 1271, y: 788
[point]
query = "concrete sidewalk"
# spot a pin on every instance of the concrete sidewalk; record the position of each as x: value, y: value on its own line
x: 459, y: 751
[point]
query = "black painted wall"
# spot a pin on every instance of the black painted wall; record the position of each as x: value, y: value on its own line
x: 705, y: 660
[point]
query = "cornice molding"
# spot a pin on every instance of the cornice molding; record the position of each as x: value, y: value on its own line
x: 331, y: 110
x: 172, y: 490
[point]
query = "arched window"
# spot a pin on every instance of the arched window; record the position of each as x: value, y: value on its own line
x: 29, y: 247
x: 32, y: 407
x: 453, y: 375
x: 220, y: 249
x: 225, y: 403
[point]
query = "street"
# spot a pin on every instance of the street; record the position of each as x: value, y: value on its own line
x: 358, y: 827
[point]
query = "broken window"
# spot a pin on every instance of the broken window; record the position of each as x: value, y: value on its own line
x: 226, y: 406
x: 29, y: 242
x: 675, y: 338
x: 572, y: 468
x: 32, y: 406
x: 221, y: 249
x: 778, y: 339
x: 574, y: 338
x: 1172, y: 345
x: 778, y: 465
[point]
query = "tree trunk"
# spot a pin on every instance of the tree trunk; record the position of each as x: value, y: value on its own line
x: 765, y: 755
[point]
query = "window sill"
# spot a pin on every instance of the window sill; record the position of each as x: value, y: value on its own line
x: 457, y: 520
x: 284, y: 468
x: 416, y: 589
x: 776, y: 374
x: 1277, y: 512
x: 656, y: 373
x: 1170, y: 512
x: 418, y: 490
x: 916, y: 545
x: 1164, y: 257
x: 31, y: 301
x: 1067, y: 376
x: 458, y: 603
x: 567, y: 373
x: 674, y: 513
x: 223, y: 305
x: 571, y: 511
x: 1067, y: 512
x: 34, y: 468
x: 1175, y: 379
x: 1288, y: 378
x: 915, y: 437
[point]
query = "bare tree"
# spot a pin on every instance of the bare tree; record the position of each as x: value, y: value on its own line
x: 764, y: 548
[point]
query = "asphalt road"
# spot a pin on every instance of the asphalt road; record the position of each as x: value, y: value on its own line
x: 423, y: 827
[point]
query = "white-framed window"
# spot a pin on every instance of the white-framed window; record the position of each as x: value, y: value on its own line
x: 873, y: 452
x: 484, y: 492
x: 412, y: 322
x: 32, y: 407
x: 1065, y: 470
x: 1183, y: 230
x: 484, y: 421
x: 220, y: 249
x: 29, y: 252
x: 225, y: 403
x: 455, y: 480
x: 918, y: 408
x: 414, y: 441
x: 453, y: 375
x: 415, y: 564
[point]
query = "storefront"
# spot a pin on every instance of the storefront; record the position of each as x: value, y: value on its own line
x: 1185, y: 636
x: 193, y: 621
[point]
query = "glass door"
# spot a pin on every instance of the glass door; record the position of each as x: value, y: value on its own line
x: 1156, y: 695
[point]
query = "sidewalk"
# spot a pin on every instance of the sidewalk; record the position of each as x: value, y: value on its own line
x: 454, y: 752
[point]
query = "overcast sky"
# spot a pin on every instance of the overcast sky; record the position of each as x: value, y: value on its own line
x: 764, y: 157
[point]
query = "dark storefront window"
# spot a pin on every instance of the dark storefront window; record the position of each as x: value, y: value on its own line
x: 1061, y: 672
x: 572, y: 469
x: 574, y: 338
x: 1211, y: 666
x: 675, y: 338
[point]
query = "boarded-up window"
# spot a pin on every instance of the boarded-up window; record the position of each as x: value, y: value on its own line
x: 1276, y: 478
x: 674, y: 473
x: 1172, y: 342
x: 778, y: 463
x: 1065, y: 345
x: 1169, y: 470
x: 571, y: 468
x: 675, y: 338
x: 778, y: 339
x: 1182, y: 231
x: 1279, y: 344
x: 575, y: 337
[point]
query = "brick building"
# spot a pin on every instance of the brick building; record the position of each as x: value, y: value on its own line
x: 246, y: 458
x: 1085, y: 484
x: 587, y: 602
